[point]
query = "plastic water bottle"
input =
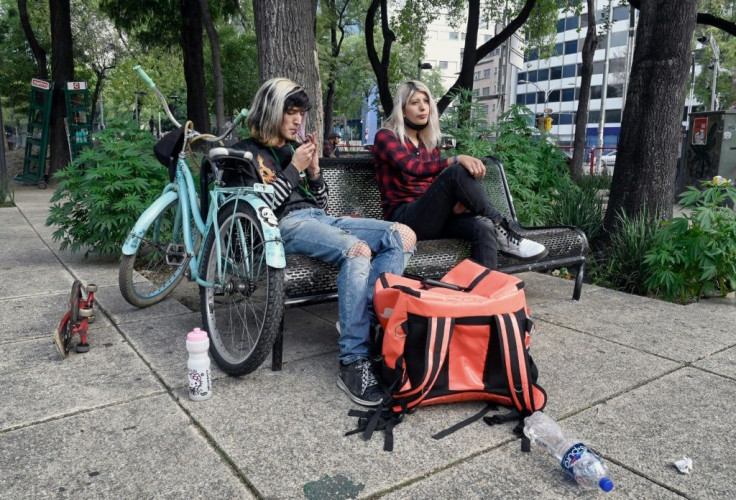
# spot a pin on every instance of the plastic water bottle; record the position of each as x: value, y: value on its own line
x: 198, y: 365
x: 580, y: 463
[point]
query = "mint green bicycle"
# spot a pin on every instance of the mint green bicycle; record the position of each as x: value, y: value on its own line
x: 235, y: 255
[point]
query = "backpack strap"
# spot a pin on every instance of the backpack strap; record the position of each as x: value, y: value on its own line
x: 439, y: 333
x: 466, y: 422
x: 515, y: 362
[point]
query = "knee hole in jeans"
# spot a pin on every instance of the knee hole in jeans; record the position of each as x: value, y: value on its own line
x: 408, y: 238
x: 359, y: 249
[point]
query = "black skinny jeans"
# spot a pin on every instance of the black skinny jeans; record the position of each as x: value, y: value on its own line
x: 431, y: 216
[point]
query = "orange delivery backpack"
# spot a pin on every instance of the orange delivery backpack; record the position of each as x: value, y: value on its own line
x: 464, y: 337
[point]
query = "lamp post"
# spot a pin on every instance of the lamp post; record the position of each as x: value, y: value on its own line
x: 420, y: 67
x: 137, y: 111
x: 716, y: 68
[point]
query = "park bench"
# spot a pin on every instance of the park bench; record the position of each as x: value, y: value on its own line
x: 354, y: 191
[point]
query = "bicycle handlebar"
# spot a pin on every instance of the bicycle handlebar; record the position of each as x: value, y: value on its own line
x: 144, y: 76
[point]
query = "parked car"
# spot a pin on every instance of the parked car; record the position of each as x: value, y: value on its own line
x: 609, y: 159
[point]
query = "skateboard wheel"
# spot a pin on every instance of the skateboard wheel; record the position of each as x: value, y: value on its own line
x: 91, y: 319
x: 85, y: 312
x: 82, y: 347
x: 91, y: 288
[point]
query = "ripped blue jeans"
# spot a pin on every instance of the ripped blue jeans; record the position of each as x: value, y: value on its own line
x: 310, y: 231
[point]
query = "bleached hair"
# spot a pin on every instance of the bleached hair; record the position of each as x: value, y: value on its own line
x: 431, y: 135
x: 272, y: 100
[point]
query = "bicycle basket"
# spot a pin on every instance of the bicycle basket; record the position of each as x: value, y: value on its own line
x: 167, y: 150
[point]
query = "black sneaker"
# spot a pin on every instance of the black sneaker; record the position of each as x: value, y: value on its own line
x: 359, y: 382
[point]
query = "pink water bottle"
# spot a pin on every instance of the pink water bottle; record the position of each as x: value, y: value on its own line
x: 198, y: 365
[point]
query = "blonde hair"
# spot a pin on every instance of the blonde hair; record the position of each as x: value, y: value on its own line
x: 272, y: 100
x: 431, y: 135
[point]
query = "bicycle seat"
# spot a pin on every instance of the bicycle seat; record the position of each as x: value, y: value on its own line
x: 220, y: 153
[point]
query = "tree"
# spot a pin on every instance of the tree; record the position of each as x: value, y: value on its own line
x: 415, y: 16
x: 216, y: 67
x: 581, y: 118
x: 39, y: 53
x: 287, y: 48
x: 650, y: 128
x: 62, y: 71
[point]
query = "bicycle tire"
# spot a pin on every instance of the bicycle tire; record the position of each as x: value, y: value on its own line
x: 145, y: 278
x: 242, y: 313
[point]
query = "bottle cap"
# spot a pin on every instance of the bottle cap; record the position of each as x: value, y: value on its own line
x: 197, y: 335
x: 605, y: 484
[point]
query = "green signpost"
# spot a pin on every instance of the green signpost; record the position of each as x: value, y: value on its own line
x: 37, y: 140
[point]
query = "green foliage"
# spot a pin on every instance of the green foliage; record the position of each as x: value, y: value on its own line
x: 695, y: 254
x: 535, y: 168
x: 104, y: 191
x: 622, y: 266
x: 578, y: 205
x: 465, y: 121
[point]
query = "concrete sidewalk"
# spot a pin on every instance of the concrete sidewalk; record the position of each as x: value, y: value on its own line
x: 642, y: 381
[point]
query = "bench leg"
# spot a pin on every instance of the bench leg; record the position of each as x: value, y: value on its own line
x: 579, y: 282
x: 278, y: 349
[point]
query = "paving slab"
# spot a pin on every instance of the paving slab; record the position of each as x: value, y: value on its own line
x: 146, y: 448
x: 34, y: 280
x: 40, y: 384
x: 506, y: 472
x: 654, y: 326
x: 36, y: 316
x: 120, y: 312
x: 722, y: 363
x: 162, y: 342
x: 577, y: 369
x: 686, y: 413
x: 543, y: 288
x: 285, y: 431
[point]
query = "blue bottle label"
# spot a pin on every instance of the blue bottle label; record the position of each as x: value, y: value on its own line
x: 572, y: 456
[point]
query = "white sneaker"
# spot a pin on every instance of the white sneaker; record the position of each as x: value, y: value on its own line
x: 512, y: 243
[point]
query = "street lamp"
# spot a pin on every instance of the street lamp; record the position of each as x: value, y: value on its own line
x: 716, y: 68
x: 137, y: 111
x: 547, y: 93
x: 420, y: 67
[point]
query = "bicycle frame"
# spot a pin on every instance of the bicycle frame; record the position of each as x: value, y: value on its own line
x: 183, y: 189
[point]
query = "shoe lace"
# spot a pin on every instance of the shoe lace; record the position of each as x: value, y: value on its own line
x: 367, y: 377
x: 511, y: 235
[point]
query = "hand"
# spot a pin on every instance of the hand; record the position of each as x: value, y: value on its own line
x: 459, y: 208
x: 473, y: 165
x: 313, y: 168
x: 304, y: 154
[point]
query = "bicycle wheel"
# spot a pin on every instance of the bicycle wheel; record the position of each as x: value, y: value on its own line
x: 158, y: 265
x: 243, y: 312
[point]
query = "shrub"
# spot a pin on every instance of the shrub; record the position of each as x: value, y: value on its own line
x: 105, y: 189
x: 622, y: 266
x: 695, y: 254
x: 580, y: 206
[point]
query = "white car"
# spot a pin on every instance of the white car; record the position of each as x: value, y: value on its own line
x: 609, y: 159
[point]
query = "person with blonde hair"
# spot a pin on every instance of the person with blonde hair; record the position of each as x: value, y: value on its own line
x: 438, y: 197
x: 362, y: 249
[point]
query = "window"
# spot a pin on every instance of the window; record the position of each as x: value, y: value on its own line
x: 486, y: 73
x: 571, y: 47
x: 560, y: 25
x: 571, y: 23
x: 616, y: 90
x: 554, y: 96
x: 485, y: 91
x: 443, y: 64
x: 476, y: 75
x: 521, y: 76
x: 493, y: 107
x: 595, y: 92
x: 543, y: 75
x: 486, y: 38
x: 618, y: 39
x: 559, y: 49
x: 568, y: 94
x: 531, y: 98
x: 620, y: 13
x: 555, y: 73
x: 520, y: 99
x: 533, y: 55
x: 566, y: 118
x: 568, y: 71
x: 453, y: 35
x: 462, y: 36
x: 594, y: 116
x: 531, y: 76
x: 613, y: 116
x: 598, y: 68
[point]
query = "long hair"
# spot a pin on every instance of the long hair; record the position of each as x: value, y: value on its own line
x: 272, y: 100
x: 431, y: 135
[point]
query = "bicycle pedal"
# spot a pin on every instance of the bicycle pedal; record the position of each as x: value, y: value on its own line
x: 175, y: 254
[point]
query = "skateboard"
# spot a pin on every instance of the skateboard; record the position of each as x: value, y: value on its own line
x: 76, y: 320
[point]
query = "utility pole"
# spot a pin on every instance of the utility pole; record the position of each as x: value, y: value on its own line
x: 716, y: 68
x: 3, y: 165
x: 604, y: 87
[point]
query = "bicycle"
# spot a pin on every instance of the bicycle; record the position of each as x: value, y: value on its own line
x: 239, y: 261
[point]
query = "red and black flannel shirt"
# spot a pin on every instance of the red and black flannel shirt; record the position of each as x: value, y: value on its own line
x: 403, y: 171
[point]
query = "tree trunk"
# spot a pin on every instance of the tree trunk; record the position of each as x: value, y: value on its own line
x: 216, y: 66
x: 192, y: 47
x: 287, y: 48
x: 380, y: 66
x: 586, y: 75
x: 38, y: 53
x: 644, y: 173
x: 62, y: 71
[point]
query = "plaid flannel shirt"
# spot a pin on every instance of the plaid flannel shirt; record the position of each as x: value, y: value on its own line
x: 403, y: 171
